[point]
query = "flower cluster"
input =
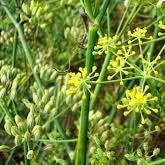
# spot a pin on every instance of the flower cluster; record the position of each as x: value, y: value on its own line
x: 77, y: 80
x: 138, y: 100
x: 138, y: 34
x: 105, y: 43
x: 120, y: 64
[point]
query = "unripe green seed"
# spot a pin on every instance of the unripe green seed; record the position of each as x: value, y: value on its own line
x: 18, y: 140
x: 2, y: 92
x: 54, y: 111
x: 4, y: 148
x: 7, y: 126
x: 25, y: 8
x: 46, y: 97
x: 53, y: 76
x: 14, y: 86
x: 37, y: 131
x: 30, y: 120
x: 156, y: 151
x: 18, y: 119
x: 27, y: 136
x: 38, y: 119
x: 22, y: 126
x: 15, y: 131
x: 30, y: 155
x: 105, y: 135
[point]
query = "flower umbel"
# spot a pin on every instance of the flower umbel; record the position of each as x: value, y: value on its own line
x: 104, y: 43
x: 138, y: 100
x: 138, y: 33
x: 77, y: 80
x: 120, y: 64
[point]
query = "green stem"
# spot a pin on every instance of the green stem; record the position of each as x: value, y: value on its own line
x: 14, y: 49
x: 97, y: 6
x: 161, y: 63
x: 100, y: 79
x: 122, y: 19
x: 83, y: 130
x: 114, y: 81
x: 102, y: 11
x: 64, y: 136
x: 25, y: 154
x: 152, y: 45
x: 157, y: 162
x: 57, y: 141
x: 130, y: 18
x: 59, y: 126
x: 88, y: 8
x: 24, y: 44
x: 108, y: 23
x: 157, y: 79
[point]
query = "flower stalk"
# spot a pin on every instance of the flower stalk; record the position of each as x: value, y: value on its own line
x: 82, y: 137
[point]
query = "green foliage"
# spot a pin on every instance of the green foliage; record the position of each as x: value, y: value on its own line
x: 82, y: 82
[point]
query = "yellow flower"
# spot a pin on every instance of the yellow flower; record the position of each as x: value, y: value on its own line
x: 104, y: 43
x: 138, y: 100
x: 138, y: 33
x: 161, y: 26
x: 77, y: 80
x: 120, y: 65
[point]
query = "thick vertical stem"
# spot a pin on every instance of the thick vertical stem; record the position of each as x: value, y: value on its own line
x: 82, y: 137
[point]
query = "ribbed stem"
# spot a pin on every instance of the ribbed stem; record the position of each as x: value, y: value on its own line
x: 83, y: 130
x: 82, y: 137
